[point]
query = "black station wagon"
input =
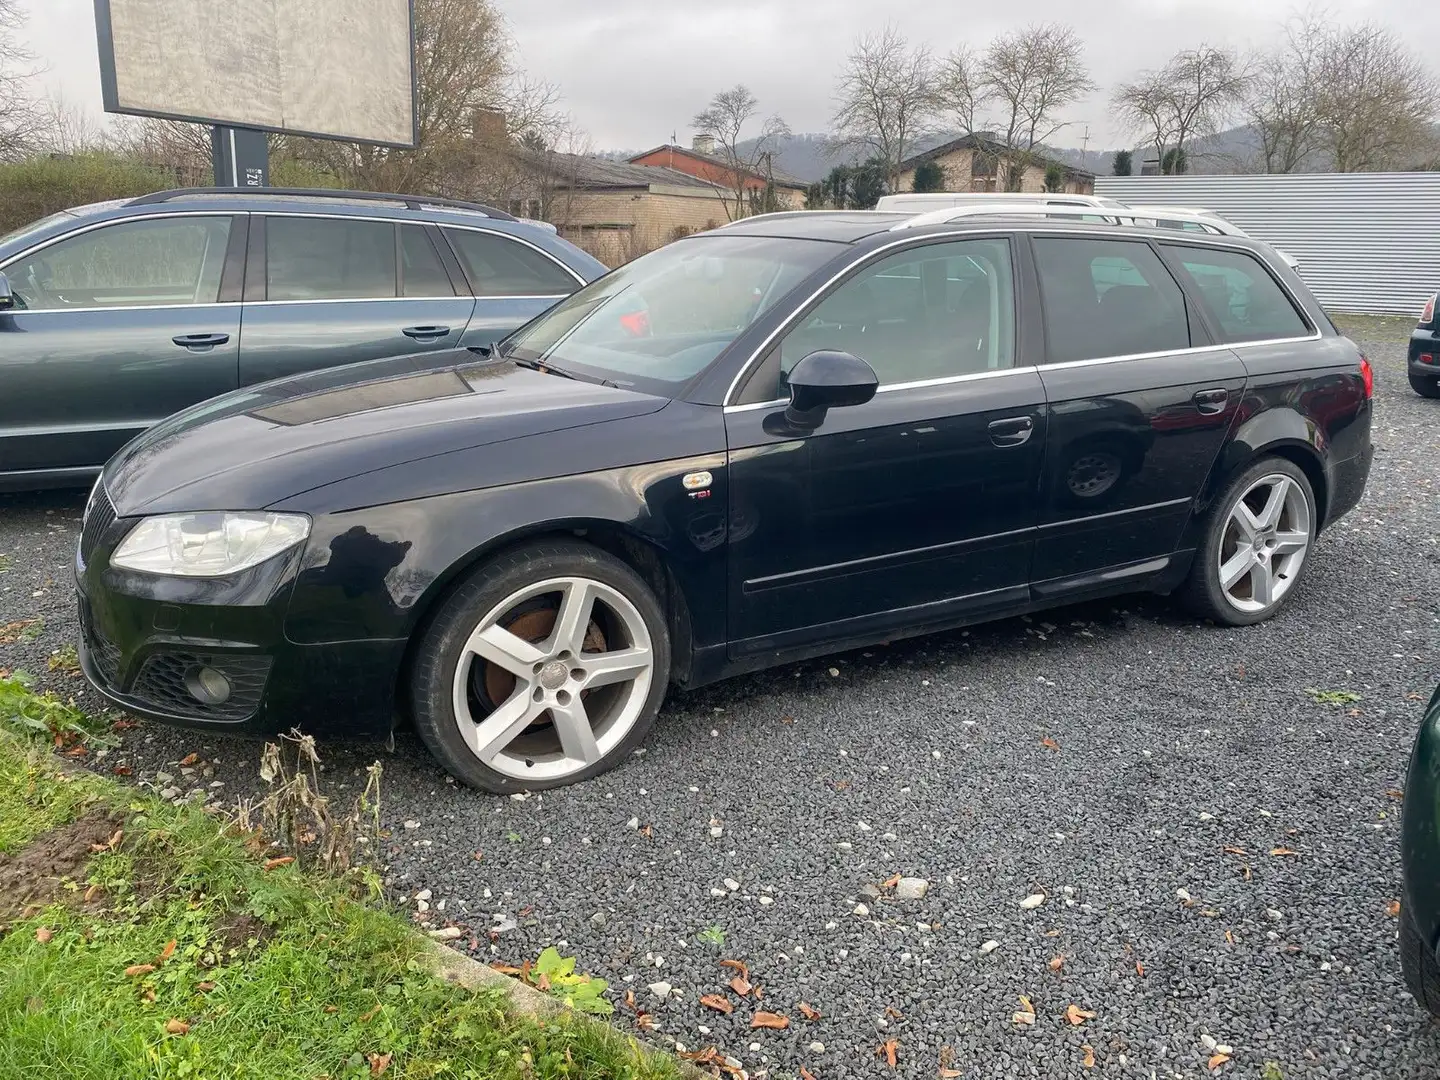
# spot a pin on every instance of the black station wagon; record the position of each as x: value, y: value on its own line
x: 796, y: 434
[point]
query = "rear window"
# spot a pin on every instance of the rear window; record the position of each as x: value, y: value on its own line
x: 499, y: 266
x: 1240, y: 295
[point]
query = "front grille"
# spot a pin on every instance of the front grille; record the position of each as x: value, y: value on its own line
x: 99, y: 516
x: 106, y: 656
x: 161, y: 684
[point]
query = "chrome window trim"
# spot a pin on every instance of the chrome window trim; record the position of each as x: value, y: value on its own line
x: 915, y: 384
x: 20, y: 313
x: 984, y: 229
x: 391, y: 299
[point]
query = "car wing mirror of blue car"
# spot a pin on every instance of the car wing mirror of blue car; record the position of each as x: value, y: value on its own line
x: 827, y: 380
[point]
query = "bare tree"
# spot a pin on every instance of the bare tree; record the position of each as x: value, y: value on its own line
x: 884, y: 98
x: 1377, y: 100
x: 68, y: 129
x: 1283, y: 105
x: 20, y: 116
x: 1018, y: 88
x: 726, y: 118
x: 1192, y: 96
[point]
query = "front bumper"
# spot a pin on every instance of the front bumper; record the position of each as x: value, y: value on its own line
x: 1420, y: 829
x: 146, y: 638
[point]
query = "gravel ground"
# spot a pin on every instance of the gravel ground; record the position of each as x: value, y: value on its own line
x: 1114, y: 758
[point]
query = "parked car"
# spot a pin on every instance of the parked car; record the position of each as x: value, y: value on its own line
x: 1420, y: 857
x: 1424, y: 361
x: 113, y: 316
x: 828, y: 430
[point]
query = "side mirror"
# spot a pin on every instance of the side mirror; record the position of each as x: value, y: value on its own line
x: 7, y: 298
x: 828, y: 380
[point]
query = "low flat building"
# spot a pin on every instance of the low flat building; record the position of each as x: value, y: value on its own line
x: 981, y: 162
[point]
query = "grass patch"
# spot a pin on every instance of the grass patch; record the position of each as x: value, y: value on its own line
x: 175, y: 950
x: 1375, y: 328
x: 24, y: 711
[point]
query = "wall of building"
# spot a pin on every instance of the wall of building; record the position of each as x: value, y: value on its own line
x: 959, y: 166
x: 674, y: 158
x: 617, y: 226
x: 1367, y: 242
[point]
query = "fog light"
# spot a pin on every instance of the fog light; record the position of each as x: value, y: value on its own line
x: 208, y: 686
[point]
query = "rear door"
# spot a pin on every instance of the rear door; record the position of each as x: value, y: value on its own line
x: 115, y: 328
x: 513, y: 281
x: 1139, y: 399
x: 322, y: 291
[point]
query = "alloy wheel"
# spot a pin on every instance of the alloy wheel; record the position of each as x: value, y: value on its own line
x: 1266, y: 539
x: 553, y: 678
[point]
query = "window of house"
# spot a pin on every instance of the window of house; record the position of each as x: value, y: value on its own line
x: 1241, y: 296
x: 1107, y: 298
x: 499, y: 266
x: 926, y: 313
x: 328, y: 258
x: 156, y: 262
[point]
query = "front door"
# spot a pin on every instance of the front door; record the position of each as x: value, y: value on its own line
x: 323, y: 291
x: 1140, y: 402
x: 112, y: 330
x: 915, y: 509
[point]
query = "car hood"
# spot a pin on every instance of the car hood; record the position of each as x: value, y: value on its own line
x: 254, y: 447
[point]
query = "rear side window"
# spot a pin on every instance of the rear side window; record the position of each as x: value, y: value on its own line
x: 499, y: 266
x: 328, y: 259
x: 1245, y: 301
x: 1108, y: 298
x: 421, y: 271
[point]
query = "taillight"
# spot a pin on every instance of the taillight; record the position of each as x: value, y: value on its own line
x: 1367, y: 374
x: 1428, y: 315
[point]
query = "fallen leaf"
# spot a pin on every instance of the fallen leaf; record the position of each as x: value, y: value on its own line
x: 204, y: 987
x: 177, y: 1027
x: 189, y: 759
x: 759, y: 991
x: 647, y: 832
x: 283, y: 860
x: 1049, y: 743
x: 806, y: 1074
x: 890, y: 1050
x: 890, y: 882
x: 630, y: 1000
x: 949, y: 1074
x: 808, y: 1011
x: 148, y: 995
x: 1088, y: 1060
x: 1395, y: 793
x: 770, y: 1020
x: 367, y: 1017
x: 736, y: 965
x: 1229, y: 937
x: 1282, y: 851
x: 379, y: 1063
x: 1393, y: 908
x: 166, y: 952
x: 505, y: 969
x: 892, y: 1013
x: 947, y: 1064
x: 1056, y: 963
x: 1077, y: 1015
x: 139, y: 969
x: 1026, y: 1015
x: 1216, y: 1060
x: 120, y: 770
x: 1231, y: 849
x: 718, y: 1003
x: 1027, y: 1004
x: 44, y: 934
x: 1139, y: 969
x: 644, y: 1021
x: 741, y: 985
x: 700, y: 1057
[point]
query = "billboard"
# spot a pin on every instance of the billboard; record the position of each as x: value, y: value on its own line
x: 335, y: 70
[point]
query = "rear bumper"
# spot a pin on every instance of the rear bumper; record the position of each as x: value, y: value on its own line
x: 1347, y: 483
x: 1420, y: 828
x: 1424, y: 358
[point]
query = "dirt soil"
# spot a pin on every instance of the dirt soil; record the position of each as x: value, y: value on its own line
x: 34, y: 876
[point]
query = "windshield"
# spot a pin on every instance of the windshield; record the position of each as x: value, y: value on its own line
x: 655, y: 323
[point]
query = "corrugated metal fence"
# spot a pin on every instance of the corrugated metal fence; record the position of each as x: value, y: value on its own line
x: 1367, y: 242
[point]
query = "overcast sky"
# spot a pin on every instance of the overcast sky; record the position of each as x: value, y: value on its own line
x: 634, y: 71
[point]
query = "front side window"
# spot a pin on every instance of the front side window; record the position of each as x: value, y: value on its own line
x: 655, y: 323
x: 926, y: 313
x: 1240, y: 294
x: 499, y: 266
x: 328, y: 259
x: 1106, y: 298
x: 158, y: 262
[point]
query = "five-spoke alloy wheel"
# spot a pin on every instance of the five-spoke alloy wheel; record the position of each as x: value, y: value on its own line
x: 545, y: 667
x: 1255, y: 544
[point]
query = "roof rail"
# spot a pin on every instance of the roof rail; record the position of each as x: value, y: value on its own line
x: 806, y: 214
x: 412, y: 202
x: 1112, y: 215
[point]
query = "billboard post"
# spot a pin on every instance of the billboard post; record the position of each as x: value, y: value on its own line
x: 241, y: 157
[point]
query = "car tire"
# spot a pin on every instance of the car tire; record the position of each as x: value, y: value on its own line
x: 1417, y: 964
x: 561, y: 649
x: 1250, y: 561
x: 1427, y: 386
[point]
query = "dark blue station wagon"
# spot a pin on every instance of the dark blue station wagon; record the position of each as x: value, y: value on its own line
x: 115, y: 315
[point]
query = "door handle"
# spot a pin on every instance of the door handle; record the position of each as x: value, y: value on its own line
x: 200, y: 342
x: 1210, y: 402
x: 1012, y: 431
x: 425, y: 333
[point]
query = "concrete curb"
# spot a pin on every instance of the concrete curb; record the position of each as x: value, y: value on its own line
x: 454, y: 967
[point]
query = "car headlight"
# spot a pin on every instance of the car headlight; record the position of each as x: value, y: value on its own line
x: 209, y: 544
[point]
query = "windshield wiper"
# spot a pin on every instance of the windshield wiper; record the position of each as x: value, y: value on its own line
x: 536, y: 365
